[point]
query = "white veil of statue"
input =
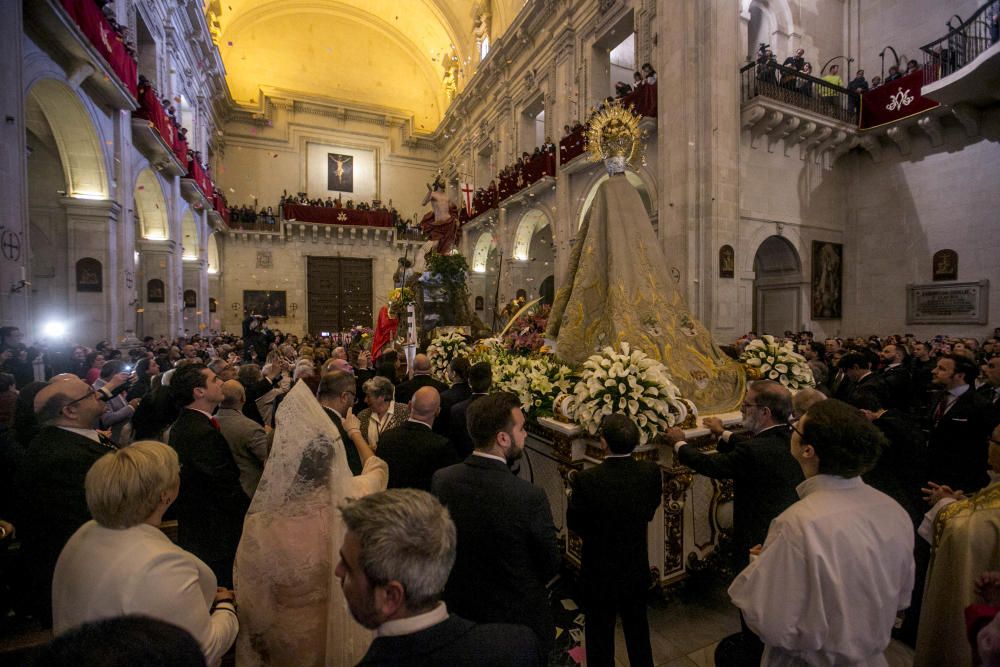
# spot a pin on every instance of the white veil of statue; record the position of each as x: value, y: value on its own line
x: 291, y: 608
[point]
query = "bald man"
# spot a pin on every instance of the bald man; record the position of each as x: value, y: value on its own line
x: 246, y: 438
x: 421, y: 378
x: 50, y: 482
x: 412, y: 451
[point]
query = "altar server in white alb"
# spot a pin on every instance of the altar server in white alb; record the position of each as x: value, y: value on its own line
x: 836, y: 565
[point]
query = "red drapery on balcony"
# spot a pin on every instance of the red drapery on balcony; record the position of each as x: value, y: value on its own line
x: 98, y: 30
x: 181, y: 149
x: 198, y: 174
x: 221, y: 206
x: 894, y: 101
x: 329, y: 215
x: 572, y: 145
x: 643, y: 99
x: 533, y: 171
x: 151, y: 109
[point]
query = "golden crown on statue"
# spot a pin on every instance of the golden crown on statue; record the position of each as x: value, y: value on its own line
x: 614, y: 137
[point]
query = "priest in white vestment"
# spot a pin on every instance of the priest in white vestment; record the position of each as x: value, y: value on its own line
x: 965, y: 538
x: 836, y: 565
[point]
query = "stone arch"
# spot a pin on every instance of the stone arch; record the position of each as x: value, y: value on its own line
x: 213, y: 254
x: 481, y: 252
x: 641, y: 180
x: 151, y: 207
x: 76, y: 136
x: 779, y: 288
x: 532, y: 221
x: 190, y: 248
x: 768, y: 21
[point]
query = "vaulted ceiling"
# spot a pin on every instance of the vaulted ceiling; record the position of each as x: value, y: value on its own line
x: 380, y: 54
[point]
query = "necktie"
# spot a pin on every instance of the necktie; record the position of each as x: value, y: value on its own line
x: 215, y: 423
x: 106, y: 441
x: 942, y: 407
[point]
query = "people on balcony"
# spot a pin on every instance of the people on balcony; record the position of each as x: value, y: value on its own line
x: 649, y: 73
x: 893, y: 74
x: 622, y: 89
x: 797, y: 61
x: 829, y: 93
x: 857, y: 86
x: 912, y: 66
x: 805, y: 86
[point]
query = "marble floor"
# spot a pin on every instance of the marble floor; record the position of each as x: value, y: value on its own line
x: 685, y: 628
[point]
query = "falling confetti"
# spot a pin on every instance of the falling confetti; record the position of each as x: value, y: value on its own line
x: 229, y: 43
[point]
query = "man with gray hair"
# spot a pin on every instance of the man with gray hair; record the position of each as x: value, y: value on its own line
x: 394, y: 562
x: 246, y: 438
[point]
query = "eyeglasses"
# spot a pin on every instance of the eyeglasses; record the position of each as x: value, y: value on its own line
x: 90, y: 393
x: 792, y: 425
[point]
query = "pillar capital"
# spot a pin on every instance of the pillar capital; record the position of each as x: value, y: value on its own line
x: 90, y: 210
x: 154, y: 246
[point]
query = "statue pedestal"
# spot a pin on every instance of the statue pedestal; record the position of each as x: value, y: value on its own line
x: 688, y: 524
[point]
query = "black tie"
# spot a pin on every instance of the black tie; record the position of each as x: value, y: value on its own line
x: 106, y: 441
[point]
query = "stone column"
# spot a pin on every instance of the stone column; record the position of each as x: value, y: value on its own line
x: 94, y: 297
x: 699, y: 156
x: 195, y: 270
x: 14, y: 295
x: 156, y: 259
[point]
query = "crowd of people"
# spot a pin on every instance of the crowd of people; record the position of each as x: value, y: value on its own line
x: 646, y: 77
x: 876, y: 492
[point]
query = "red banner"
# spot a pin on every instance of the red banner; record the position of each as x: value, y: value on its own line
x: 98, y: 30
x: 151, y: 109
x: 329, y: 215
x: 198, y: 174
x: 894, y: 101
x: 573, y: 144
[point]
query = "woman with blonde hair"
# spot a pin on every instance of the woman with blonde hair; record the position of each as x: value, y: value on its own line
x: 121, y: 562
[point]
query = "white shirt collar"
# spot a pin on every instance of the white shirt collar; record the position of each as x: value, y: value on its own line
x: 412, y: 624
x: 417, y: 421
x: 201, y: 411
x: 490, y: 456
x: 388, y: 414
x: 827, y: 482
x: 618, y: 456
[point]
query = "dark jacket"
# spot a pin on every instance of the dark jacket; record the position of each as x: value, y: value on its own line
x: 610, y: 509
x: 350, y: 451
x: 211, y: 505
x: 406, y: 390
x: 457, y: 393
x: 456, y: 641
x: 508, y: 549
x: 458, y: 427
x: 52, y: 503
x: 414, y: 453
x: 957, y: 445
x: 764, y: 474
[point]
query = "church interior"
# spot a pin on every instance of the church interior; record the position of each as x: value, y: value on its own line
x: 811, y: 170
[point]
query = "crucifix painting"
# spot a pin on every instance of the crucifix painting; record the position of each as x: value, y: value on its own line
x: 340, y: 172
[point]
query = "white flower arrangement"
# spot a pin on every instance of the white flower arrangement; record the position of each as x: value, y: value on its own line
x: 767, y: 359
x: 443, y: 350
x: 535, y: 380
x: 630, y: 382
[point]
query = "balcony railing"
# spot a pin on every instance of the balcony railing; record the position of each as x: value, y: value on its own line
x: 963, y: 43
x: 791, y: 86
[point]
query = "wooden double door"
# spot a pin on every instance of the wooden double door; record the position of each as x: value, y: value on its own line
x: 340, y: 293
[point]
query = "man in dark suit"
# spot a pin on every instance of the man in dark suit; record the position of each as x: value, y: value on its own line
x: 51, y: 493
x: 509, y: 549
x: 398, y: 550
x: 857, y: 367
x: 336, y: 395
x: 762, y: 468
x: 896, y: 377
x: 458, y: 373
x: 413, y: 451
x: 960, y: 423
x: 610, y: 508
x: 421, y: 378
x: 991, y: 389
x: 480, y: 380
x: 212, y: 504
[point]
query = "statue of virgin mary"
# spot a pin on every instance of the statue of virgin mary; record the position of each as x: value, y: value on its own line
x: 617, y: 288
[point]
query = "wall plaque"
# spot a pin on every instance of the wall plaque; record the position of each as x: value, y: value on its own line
x: 958, y: 303
x: 945, y: 265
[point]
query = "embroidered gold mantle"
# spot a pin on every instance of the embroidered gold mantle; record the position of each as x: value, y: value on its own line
x: 617, y: 290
